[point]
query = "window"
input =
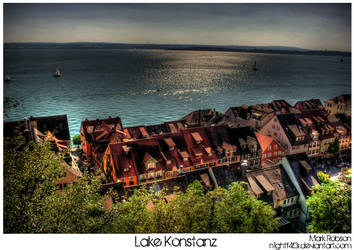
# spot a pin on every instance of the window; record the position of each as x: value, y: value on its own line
x: 269, y: 154
x: 269, y: 147
x: 151, y: 165
x: 275, y: 153
x: 275, y: 147
x: 264, y: 156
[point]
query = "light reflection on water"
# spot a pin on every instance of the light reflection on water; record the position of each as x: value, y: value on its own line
x: 153, y: 86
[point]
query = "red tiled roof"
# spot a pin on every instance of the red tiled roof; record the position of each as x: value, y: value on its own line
x: 263, y: 140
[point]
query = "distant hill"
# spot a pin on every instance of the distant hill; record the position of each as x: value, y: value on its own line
x: 235, y: 48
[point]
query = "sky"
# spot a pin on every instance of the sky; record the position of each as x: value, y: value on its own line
x: 310, y: 26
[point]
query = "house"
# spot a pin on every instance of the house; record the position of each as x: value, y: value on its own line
x: 312, y: 131
x: 310, y: 107
x: 199, y: 147
x: 97, y: 134
x: 272, y: 151
x: 304, y: 177
x: 226, y: 151
x: 202, y: 117
x: 170, y: 155
x: 282, y: 107
x: 39, y: 129
x: 248, y: 116
x: 339, y: 105
x: 272, y: 185
x: 287, y: 130
x: 342, y: 125
x: 247, y: 146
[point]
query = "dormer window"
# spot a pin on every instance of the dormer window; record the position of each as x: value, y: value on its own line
x: 149, y: 162
x: 197, y: 138
x: 151, y: 165
x: 170, y: 143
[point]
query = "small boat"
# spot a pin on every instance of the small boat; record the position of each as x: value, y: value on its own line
x: 7, y: 78
x: 57, y: 73
x: 255, y: 66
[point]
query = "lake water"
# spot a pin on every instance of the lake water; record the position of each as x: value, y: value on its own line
x: 154, y: 86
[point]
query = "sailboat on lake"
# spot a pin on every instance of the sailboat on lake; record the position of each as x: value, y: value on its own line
x: 7, y: 78
x: 57, y: 73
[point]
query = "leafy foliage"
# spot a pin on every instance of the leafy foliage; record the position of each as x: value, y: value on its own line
x: 236, y: 211
x: 32, y: 203
x: 193, y: 211
x: 77, y: 140
x: 333, y: 147
x: 330, y: 208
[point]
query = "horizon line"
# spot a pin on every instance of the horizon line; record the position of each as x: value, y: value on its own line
x: 181, y: 44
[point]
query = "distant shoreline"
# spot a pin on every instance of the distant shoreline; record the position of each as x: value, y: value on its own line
x: 246, y: 49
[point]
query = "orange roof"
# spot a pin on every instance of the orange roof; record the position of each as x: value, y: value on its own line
x: 196, y: 136
x: 143, y: 132
x: 263, y: 140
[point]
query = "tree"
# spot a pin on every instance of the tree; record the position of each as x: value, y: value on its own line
x: 330, y: 207
x: 77, y: 140
x: 29, y: 171
x: 236, y: 211
x: 79, y: 209
x: 31, y: 202
x: 186, y: 212
x: 333, y: 147
x: 193, y: 211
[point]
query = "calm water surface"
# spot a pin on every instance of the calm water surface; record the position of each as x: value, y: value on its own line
x: 154, y: 86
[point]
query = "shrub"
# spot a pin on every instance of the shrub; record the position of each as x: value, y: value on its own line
x: 77, y: 140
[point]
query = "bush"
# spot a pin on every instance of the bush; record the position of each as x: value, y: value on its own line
x: 77, y: 140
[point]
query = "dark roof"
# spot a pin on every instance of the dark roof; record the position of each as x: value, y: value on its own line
x: 341, y: 99
x: 203, y: 117
x: 272, y: 180
x: 243, y: 138
x: 292, y: 128
x: 313, y: 105
x: 225, y: 175
x: 57, y: 125
x: 306, y: 179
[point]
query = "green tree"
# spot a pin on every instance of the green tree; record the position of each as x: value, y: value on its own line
x: 29, y: 172
x: 79, y: 209
x: 186, y: 212
x: 330, y: 208
x: 236, y: 211
x: 77, y: 140
x: 32, y: 203
x: 193, y: 211
x: 333, y: 147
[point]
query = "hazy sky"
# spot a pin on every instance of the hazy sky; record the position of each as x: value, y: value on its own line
x: 313, y: 26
